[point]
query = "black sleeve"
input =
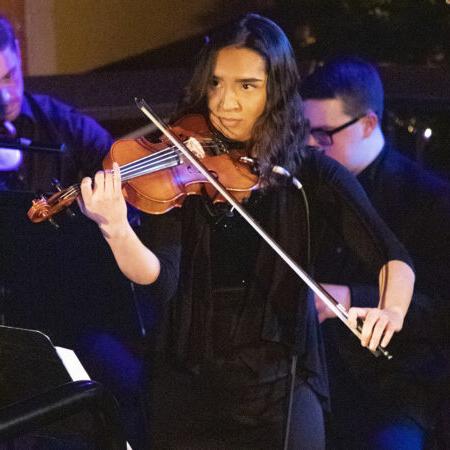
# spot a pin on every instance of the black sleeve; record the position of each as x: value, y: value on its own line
x: 162, y: 235
x: 421, y: 313
x: 343, y: 203
x: 86, y: 141
x: 364, y: 295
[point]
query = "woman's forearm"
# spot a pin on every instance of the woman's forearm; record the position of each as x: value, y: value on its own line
x: 396, y: 281
x: 135, y: 260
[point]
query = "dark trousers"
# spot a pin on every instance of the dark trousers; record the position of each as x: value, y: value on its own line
x: 194, y: 412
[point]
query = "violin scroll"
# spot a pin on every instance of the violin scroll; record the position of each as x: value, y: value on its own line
x: 43, y: 208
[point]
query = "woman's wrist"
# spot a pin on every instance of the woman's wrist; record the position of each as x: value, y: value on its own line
x: 115, y: 231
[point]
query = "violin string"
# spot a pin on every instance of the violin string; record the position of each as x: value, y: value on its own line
x: 146, y: 158
x: 149, y: 164
x: 162, y: 152
x: 71, y: 190
x: 155, y: 157
x: 150, y: 168
x: 162, y: 159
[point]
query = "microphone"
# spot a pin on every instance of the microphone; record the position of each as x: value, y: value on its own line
x: 285, y: 173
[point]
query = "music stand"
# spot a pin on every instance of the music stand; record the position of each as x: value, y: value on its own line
x: 36, y: 391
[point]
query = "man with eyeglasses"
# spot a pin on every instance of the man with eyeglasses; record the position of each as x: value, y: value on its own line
x: 382, y: 404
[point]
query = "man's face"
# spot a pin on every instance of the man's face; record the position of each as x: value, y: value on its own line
x: 237, y: 93
x: 329, y: 114
x: 11, y: 84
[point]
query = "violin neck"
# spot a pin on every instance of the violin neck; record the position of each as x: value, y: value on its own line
x: 163, y: 159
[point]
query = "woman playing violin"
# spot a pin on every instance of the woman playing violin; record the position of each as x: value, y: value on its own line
x: 234, y: 312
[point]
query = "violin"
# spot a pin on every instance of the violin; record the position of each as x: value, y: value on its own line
x: 156, y: 177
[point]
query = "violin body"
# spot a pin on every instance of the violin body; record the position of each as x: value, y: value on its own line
x: 156, y: 178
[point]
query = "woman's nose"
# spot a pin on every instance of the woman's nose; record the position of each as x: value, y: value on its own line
x: 229, y: 100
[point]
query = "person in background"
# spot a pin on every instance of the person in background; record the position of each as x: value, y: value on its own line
x: 104, y: 350
x: 236, y: 312
x: 379, y: 404
x: 43, y: 119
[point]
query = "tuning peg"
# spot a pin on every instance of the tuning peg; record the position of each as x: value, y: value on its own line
x: 70, y: 213
x: 51, y: 220
x: 54, y: 223
x: 57, y: 185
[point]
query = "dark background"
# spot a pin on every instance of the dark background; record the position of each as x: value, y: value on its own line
x: 407, y: 39
x: 65, y: 282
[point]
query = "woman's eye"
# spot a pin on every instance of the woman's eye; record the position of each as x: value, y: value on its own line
x: 214, y: 82
x: 246, y: 86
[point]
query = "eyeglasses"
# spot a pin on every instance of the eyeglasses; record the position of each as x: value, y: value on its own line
x: 325, y: 137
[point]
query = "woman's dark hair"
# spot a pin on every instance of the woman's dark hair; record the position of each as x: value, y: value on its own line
x: 279, y: 134
x: 7, y: 35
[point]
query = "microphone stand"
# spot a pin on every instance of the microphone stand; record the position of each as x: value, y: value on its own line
x: 25, y: 144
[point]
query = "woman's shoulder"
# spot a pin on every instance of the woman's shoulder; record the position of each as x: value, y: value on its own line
x: 316, y: 163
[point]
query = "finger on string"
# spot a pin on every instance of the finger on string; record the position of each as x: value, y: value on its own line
x: 80, y: 203
x: 117, y: 179
x: 99, y: 180
x: 109, y: 182
x: 86, y: 189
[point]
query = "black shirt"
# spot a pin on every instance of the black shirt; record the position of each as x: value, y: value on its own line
x: 276, y: 307
x: 416, y: 205
x: 46, y: 120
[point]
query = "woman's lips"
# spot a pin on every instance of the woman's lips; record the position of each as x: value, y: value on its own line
x: 230, y: 123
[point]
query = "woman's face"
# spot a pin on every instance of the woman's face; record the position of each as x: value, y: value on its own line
x: 237, y: 93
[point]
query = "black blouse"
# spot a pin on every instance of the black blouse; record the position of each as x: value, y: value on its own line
x: 274, y: 306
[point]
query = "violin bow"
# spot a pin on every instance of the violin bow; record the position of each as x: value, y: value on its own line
x: 324, y: 296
